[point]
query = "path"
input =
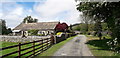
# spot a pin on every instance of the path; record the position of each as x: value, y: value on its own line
x: 75, y: 47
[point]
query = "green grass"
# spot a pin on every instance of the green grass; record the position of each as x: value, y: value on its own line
x: 48, y: 52
x: 54, y: 48
x: 90, y: 37
x: 6, y: 44
x: 100, y: 47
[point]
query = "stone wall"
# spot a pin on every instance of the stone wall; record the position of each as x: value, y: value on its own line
x: 20, y: 39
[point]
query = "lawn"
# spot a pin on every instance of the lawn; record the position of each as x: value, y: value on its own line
x: 100, y: 47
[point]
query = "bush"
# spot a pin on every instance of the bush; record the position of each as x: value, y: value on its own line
x: 114, y: 45
x: 95, y: 33
x: 89, y: 33
x: 40, y: 35
x: 33, y: 32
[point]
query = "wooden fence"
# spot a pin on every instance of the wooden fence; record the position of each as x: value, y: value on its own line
x: 41, y: 45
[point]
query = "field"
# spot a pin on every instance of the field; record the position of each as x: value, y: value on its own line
x: 13, y: 40
x: 6, y: 44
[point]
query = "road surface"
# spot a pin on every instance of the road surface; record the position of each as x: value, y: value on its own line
x: 75, y: 47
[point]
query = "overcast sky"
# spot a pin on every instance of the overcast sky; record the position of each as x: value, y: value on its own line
x: 43, y: 10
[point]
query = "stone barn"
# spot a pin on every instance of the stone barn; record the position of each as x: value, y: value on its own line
x: 43, y: 27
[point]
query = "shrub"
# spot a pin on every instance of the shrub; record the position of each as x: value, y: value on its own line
x: 114, y: 45
x: 40, y: 35
x: 33, y: 32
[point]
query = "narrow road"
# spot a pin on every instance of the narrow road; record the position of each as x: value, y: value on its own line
x: 75, y: 47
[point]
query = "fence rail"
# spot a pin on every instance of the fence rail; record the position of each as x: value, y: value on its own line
x: 43, y: 45
x: 38, y: 48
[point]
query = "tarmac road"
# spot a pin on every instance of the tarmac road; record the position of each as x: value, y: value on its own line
x: 75, y: 47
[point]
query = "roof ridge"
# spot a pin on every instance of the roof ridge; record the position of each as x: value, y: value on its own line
x: 38, y: 25
x: 46, y: 22
x: 41, y: 22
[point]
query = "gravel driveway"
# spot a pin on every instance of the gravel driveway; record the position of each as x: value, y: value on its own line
x: 75, y: 47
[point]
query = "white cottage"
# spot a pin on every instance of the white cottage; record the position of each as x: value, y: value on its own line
x: 43, y: 27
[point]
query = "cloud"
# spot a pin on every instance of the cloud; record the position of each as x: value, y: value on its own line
x: 17, y: 11
x: 54, y: 9
x: 21, y: 0
x: 1, y: 14
x: 12, y: 13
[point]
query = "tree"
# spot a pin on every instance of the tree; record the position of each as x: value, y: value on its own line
x: 29, y: 19
x: 98, y: 26
x: 86, y: 19
x: 108, y: 12
x: 9, y: 30
x: 4, y: 28
x: 76, y: 28
x: 91, y: 27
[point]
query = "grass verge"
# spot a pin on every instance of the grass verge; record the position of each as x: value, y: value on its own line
x: 100, y: 47
x: 54, y: 48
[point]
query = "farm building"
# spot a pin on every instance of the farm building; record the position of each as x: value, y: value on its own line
x: 42, y: 27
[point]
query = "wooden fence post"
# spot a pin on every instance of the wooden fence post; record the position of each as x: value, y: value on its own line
x: 42, y: 45
x: 19, y: 50
x: 47, y: 43
x: 34, y: 48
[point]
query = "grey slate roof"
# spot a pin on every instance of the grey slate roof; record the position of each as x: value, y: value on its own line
x: 38, y: 26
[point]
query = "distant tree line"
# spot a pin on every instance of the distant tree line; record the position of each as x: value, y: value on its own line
x: 89, y: 28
